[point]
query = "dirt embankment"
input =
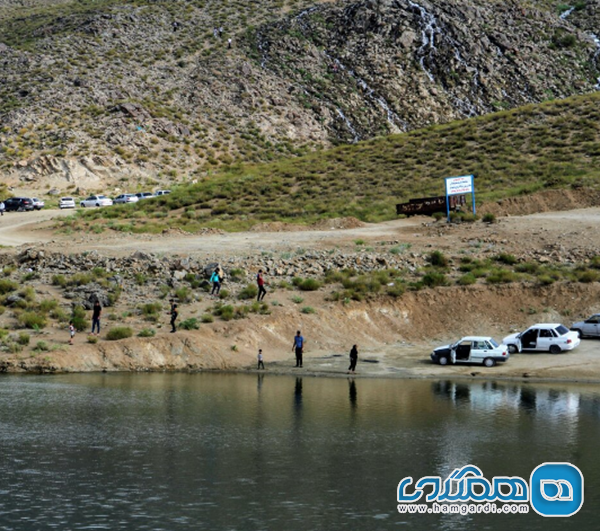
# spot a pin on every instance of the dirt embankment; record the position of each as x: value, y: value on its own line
x: 395, y: 335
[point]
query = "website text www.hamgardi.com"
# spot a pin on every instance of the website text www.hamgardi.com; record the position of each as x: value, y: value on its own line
x: 463, y: 508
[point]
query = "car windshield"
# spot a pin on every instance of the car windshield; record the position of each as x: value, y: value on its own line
x: 492, y: 341
x: 561, y: 330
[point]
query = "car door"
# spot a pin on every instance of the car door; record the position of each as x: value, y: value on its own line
x: 546, y: 339
x: 478, y: 351
x: 529, y: 339
x: 591, y: 326
x: 461, y: 353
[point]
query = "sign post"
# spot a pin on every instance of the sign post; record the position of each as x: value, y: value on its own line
x: 459, y: 185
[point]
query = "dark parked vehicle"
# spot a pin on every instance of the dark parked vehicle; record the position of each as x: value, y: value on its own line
x: 18, y: 204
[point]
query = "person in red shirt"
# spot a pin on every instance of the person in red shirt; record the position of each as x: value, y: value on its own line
x: 261, y: 285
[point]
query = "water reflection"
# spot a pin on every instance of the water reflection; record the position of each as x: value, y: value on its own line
x: 268, y: 452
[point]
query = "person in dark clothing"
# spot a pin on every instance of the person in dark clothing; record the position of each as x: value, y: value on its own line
x: 174, y: 314
x: 298, y: 347
x: 96, y: 313
x: 261, y: 285
x: 353, y: 359
x: 261, y: 363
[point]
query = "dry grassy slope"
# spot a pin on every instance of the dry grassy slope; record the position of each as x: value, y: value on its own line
x: 109, y: 91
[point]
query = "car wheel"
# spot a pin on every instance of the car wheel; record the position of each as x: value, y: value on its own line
x: 443, y: 360
x: 512, y: 349
x: 555, y: 349
x: 97, y: 204
x: 82, y: 205
x: 489, y: 362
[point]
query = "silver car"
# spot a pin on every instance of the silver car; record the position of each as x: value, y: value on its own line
x: 126, y: 198
x: 96, y: 201
x: 66, y: 202
x: 588, y: 328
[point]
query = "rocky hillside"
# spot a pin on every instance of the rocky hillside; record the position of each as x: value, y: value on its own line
x: 142, y: 92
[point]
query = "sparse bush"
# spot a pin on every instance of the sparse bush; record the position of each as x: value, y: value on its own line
x: 207, y: 318
x: 6, y: 286
x: 32, y: 320
x: 41, y: 346
x: 309, y: 284
x: 59, y: 280
x: 489, y: 218
x: 92, y: 339
x: 23, y: 338
x: 505, y: 258
x: 501, y: 276
x: 119, y: 332
x: 249, y: 292
x: 308, y: 310
x: 434, y: 279
x: 151, y: 308
x: 183, y: 294
x: 438, y: 259
x: 147, y: 332
x: 588, y: 275
x: 78, y: 317
x: 297, y: 299
x: 467, y: 279
x: 189, y: 324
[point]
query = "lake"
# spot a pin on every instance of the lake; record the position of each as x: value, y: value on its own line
x: 264, y: 452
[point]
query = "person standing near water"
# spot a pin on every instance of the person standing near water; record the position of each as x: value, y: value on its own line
x: 298, y: 347
x: 174, y: 314
x: 260, y: 360
x: 353, y: 359
x: 96, y: 313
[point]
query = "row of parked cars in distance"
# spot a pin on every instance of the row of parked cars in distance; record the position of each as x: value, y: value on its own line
x: 102, y: 200
x: 23, y: 204
x: 542, y: 337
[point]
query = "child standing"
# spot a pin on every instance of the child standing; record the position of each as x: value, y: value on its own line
x: 71, y: 332
x: 260, y: 360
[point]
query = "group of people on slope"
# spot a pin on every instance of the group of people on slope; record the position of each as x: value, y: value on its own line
x: 218, y: 275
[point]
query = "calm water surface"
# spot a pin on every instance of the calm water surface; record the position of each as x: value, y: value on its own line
x: 246, y: 452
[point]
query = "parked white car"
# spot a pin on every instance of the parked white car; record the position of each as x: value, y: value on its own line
x: 471, y: 349
x: 588, y: 328
x: 66, y: 202
x: 546, y: 337
x: 126, y: 198
x: 96, y: 201
x: 38, y: 204
x: 162, y: 192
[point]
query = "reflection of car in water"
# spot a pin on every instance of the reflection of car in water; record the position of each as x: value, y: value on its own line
x: 471, y: 349
x: 552, y: 404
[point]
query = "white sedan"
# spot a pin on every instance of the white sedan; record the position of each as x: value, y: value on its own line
x: 547, y: 337
x: 126, y: 198
x: 96, y: 201
x: 471, y: 349
x: 66, y: 202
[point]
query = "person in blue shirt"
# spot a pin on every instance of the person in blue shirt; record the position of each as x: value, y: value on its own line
x: 298, y: 346
x: 215, y: 278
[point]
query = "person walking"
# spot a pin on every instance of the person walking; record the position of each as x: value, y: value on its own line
x: 353, y: 359
x: 2, y: 208
x: 260, y: 360
x: 260, y: 281
x: 96, y: 313
x: 229, y: 43
x: 298, y: 347
x: 215, y: 279
x: 71, y: 332
x: 174, y: 315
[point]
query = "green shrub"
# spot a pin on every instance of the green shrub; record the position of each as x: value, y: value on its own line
x: 434, y: 279
x: 189, y: 324
x: 501, y: 276
x: 23, y: 338
x: 224, y: 312
x: 527, y: 267
x: 147, y: 332
x: 80, y: 279
x: 32, y: 320
x: 438, y: 259
x: 489, y: 218
x: 545, y: 280
x: 48, y: 305
x: 308, y: 309
x: 6, y: 286
x: 505, y: 258
x: 41, y: 346
x: 236, y: 274
x: 151, y: 308
x: 595, y: 262
x: 297, y: 299
x: 79, y: 321
x: 309, y: 284
x: 467, y: 279
x: 438, y: 215
x: 223, y: 294
x: 207, y: 318
x: 119, y: 332
x: 249, y: 292
x: 59, y: 280
x: 589, y: 275
x: 92, y: 339
x: 397, y: 290
x: 183, y: 294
